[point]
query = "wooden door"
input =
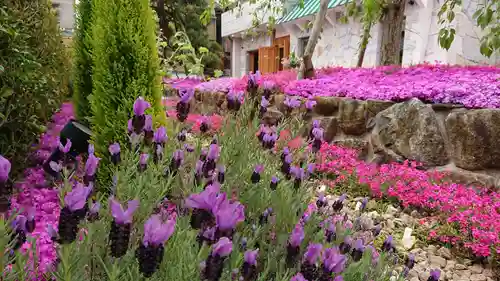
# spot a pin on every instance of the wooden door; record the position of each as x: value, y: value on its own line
x: 267, y: 57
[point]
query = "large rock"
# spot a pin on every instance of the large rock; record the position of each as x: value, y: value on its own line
x: 327, y: 106
x: 373, y: 107
x: 462, y: 176
x: 410, y: 129
x: 272, y: 116
x: 352, y: 117
x: 474, y: 138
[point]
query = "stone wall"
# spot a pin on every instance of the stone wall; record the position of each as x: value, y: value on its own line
x: 443, y: 137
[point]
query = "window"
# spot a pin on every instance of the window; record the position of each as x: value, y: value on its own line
x: 302, y: 46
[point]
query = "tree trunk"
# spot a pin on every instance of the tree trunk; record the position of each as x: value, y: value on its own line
x: 364, y: 43
x: 162, y: 16
x: 393, y: 25
x: 306, y: 69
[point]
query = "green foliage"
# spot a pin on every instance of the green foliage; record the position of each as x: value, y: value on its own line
x: 33, y: 74
x: 82, y: 61
x: 125, y: 66
x: 240, y: 153
x: 486, y: 17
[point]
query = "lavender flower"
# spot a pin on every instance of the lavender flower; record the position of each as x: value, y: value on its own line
x: 93, y: 214
x: 234, y: 100
x: 388, y: 245
x: 90, y: 168
x: 331, y: 232
x: 121, y: 225
x: 298, y: 277
x: 74, y: 210
x: 5, y: 167
x: 181, y: 136
x: 202, y: 204
x: 358, y: 250
x: 292, y: 103
x: 52, y: 232
x: 364, y: 202
x: 284, y: 153
x: 317, y: 139
x: 30, y: 219
x: 220, y: 174
x: 114, y: 150
x: 215, y: 261
x: 66, y: 147
x: 321, y: 202
x: 339, y: 204
x: 204, y: 124
x: 286, y: 166
x: 269, y: 140
x: 249, y: 267
x: 175, y: 162
x: 298, y: 176
x: 376, y: 230
x: 151, y: 250
x: 435, y: 275
x: 160, y: 136
x: 333, y: 261
x: 143, y: 161
x: 274, y: 183
x: 310, y: 104
x: 313, y: 252
x: 91, y: 149
x: 297, y: 236
x: 18, y: 225
x: 345, y: 246
x: 183, y: 105
x: 148, y: 129
x: 264, y: 103
x: 410, y: 261
x: 255, y: 178
x: 140, y: 106
x: 227, y: 216
x: 139, y: 120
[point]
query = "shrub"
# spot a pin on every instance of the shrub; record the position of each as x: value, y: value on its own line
x: 33, y: 74
x: 82, y: 58
x: 125, y: 66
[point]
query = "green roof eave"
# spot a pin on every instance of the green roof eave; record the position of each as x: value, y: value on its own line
x: 310, y: 7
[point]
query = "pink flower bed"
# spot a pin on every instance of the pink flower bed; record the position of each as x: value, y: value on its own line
x: 472, y: 86
x: 34, y: 192
x: 474, y: 211
x: 185, y: 83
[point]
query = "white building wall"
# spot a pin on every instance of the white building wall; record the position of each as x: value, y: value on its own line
x: 339, y: 43
x: 66, y: 13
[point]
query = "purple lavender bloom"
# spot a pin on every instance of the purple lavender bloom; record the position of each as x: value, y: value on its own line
x: 91, y: 149
x: 65, y: 148
x: 310, y: 168
x: 376, y: 230
x: 157, y: 232
x: 213, y: 152
x: 297, y: 172
x: 268, y: 85
x: 143, y: 159
x: 205, y: 200
x: 160, y: 135
x: 258, y: 168
x: 148, y: 125
x: 316, y: 124
x: 297, y: 236
x: 318, y: 133
x: 209, y: 233
x: 5, y: 167
x: 298, y: 277
x: 345, y: 246
x: 410, y: 261
x: 339, y: 204
x: 114, y: 148
x: 255, y: 178
x: 435, y: 275
x: 364, y: 202
x: 120, y: 215
x: 388, y: 245
x: 310, y: 104
x: 51, y: 231
x: 333, y: 261
x: 274, y: 182
x: 204, y: 124
x: 140, y: 106
x: 77, y: 198
x: 95, y: 208
x: 264, y: 103
x: 339, y: 278
x: 292, y: 102
x: 313, y: 252
x: 222, y: 248
x: 91, y: 165
x: 250, y: 257
x: 228, y: 215
x: 221, y: 170
x: 130, y: 126
x: 19, y: 223
x: 358, y: 250
x: 186, y: 95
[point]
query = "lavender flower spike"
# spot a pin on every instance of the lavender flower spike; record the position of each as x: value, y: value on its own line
x: 222, y: 248
x: 77, y: 198
x: 5, y: 167
x: 250, y: 257
x: 298, y: 277
x: 435, y: 275
x: 65, y: 148
x: 213, y: 152
x: 140, y: 106
x: 143, y: 159
x: 228, y: 215
x: 156, y: 232
x: 313, y: 252
x: 160, y: 135
x: 114, y: 148
x: 297, y: 236
x: 339, y: 278
x: 91, y: 165
x: 333, y: 261
x: 120, y: 215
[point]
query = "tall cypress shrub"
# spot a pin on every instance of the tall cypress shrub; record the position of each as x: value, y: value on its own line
x: 82, y: 61
x: 125, y: 66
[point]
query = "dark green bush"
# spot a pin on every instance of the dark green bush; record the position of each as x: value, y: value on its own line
x: 33, y: 74
x: 125, y: 66
x: 82, y: 61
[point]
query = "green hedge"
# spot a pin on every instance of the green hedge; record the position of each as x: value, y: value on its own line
x: 125, y: 66
x: 33, y: 74
x: 82, y: 61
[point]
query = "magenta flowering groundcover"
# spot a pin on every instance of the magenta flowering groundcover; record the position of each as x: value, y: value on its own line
x: 471, y: 86
x: 473, y: 211
x: 34, y: 192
